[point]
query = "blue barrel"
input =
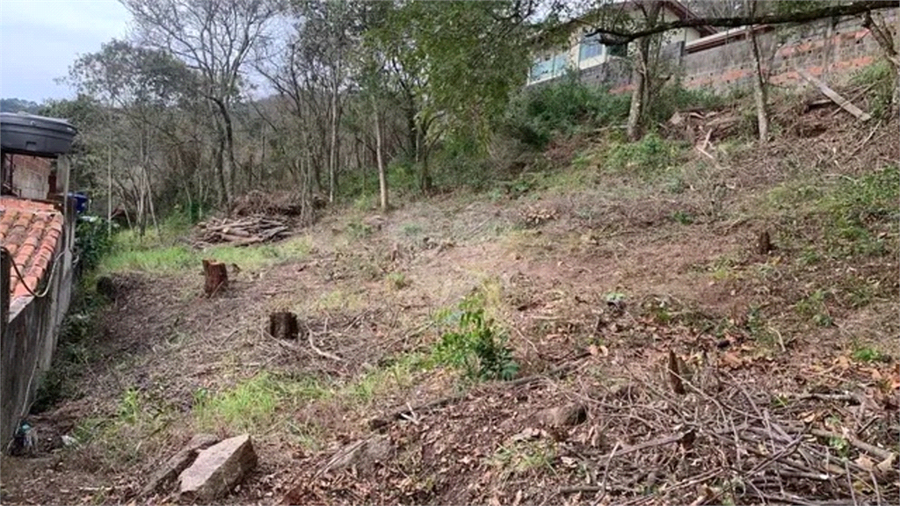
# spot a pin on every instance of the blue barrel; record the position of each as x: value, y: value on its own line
x: 81, y: 202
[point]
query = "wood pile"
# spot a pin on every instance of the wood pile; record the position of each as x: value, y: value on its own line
x: 241, y: 231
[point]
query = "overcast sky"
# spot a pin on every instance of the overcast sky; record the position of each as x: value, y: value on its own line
x: 39, y: 39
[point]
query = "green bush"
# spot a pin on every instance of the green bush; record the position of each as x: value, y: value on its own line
x: 539, y: 113
x: 862, y: 211
x: 675, y: 97
x: 477, y: 346
x: 92, y: 240
x: 650, y: 155
x: 881, y: 79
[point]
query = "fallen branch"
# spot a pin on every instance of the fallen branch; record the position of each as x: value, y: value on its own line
x: 837, y: 98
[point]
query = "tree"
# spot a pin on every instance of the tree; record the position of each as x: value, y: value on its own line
x: 144, y: 90
x: 214, y: 38
x: 455, y: 63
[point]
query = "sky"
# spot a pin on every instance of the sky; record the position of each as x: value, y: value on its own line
x: 39, y: 39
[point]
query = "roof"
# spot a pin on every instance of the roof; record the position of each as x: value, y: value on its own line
x: 677, y: 8
x: 30, y: 231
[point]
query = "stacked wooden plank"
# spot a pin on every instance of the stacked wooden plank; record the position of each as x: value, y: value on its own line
x: 241, y: 231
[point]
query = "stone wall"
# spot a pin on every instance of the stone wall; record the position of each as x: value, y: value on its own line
x: 28, y: 338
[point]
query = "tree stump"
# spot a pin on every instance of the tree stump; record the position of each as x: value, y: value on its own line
x: 283, y: 325
x: 764, y: 243
x: 216, y: 277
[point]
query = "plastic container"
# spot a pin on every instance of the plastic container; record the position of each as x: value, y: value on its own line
x: 27, y: 134
x: 81, y: 201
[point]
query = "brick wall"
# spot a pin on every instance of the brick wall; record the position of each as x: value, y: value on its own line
x: 821, y: 48
x: 31, y: 176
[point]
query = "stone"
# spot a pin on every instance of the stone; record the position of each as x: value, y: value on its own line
x: 569, y: 415
x: 166, y: 475
x: 362, y: 454
x: 217, y: 469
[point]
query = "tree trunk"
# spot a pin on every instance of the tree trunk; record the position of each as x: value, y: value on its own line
x: 760, y: 93
x: 333, y: 156
x: 382, y: 177
x: 759, y: 82
x: 633, y: 127
x: 283, y: 325
x: 641, y: 77
x: 216, y: 277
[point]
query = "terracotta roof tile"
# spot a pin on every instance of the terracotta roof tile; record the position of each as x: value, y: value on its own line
x: 30, y: 230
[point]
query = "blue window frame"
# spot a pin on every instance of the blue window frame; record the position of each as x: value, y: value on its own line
x: 590, y: 47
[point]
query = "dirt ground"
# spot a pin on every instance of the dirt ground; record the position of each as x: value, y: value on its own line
x: 597, y: 286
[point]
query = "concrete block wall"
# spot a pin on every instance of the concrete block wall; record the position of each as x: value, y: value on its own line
x: 820, y: 48
x: 830, y: 50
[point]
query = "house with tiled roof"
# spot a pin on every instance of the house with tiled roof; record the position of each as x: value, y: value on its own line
x: 37, y: 232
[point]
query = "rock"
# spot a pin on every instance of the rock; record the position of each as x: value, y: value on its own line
x: 563, y: 416
x: 177, y: 463
x: 362, y: 455
x: 217, y: 469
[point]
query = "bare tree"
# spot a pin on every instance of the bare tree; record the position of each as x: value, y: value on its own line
x: 215, y: 38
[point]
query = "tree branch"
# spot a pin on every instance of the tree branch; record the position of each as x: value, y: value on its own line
x: 616, y: 37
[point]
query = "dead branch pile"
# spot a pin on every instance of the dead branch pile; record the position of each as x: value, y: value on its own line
x: 242, y: 231
x: 728, y: 441
x: 695, y: 126
x: 275, y: 203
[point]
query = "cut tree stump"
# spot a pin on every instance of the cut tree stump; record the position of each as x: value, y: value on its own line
x: 283, y: 325
x: 216, y: 277
x: 764, y: 243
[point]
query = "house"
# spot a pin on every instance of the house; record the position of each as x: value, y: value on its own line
x: 37, y: 239
x: 587, y: 55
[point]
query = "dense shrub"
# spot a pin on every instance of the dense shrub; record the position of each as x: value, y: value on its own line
x: 651, y: 155
x: 92, y: 240
x: 540, y: 112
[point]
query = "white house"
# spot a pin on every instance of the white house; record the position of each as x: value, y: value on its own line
x: 584, y: 51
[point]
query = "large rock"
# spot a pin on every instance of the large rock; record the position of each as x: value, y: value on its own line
x: 218, y: 469
x: 563, y: 416
x: 362, y: 455
x: 166, y: 475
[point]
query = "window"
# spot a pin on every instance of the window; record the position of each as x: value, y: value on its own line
x: 590, y: 47
x: 541, y: 68
x: 621, y: 50
x: 559, y: 64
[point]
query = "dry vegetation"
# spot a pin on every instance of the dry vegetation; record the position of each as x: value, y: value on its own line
x: 628, y: 282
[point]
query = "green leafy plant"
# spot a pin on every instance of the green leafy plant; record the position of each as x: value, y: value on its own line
x: 651, y: 155
x: 93, y: 241
x: 477, y: 346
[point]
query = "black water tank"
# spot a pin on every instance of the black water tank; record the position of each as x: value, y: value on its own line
x: 28, y: 134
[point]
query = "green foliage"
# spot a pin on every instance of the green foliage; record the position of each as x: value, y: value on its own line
x: 862, y: 212
x: 253, y: 404
x: 649, y: 156
x: 539, y: 113
x: 18, y: 105
x: 93, y: 241
x: 868, y: 354
x: 165, y: 254
x: 477, y: 346
x: 673, y: 98
x: 75, y: 348
x: 878, y: 78
x: 814, y: 308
